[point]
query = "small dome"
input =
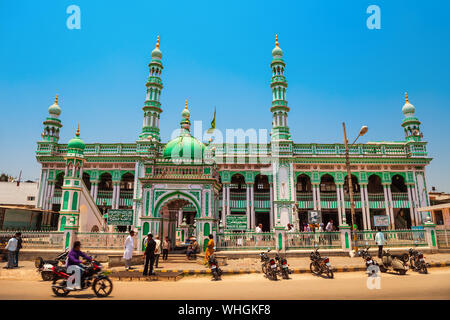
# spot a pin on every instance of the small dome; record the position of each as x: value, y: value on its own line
x: 76, y: 143
x: 156, y: 53
x: 408, y: 109
x: 277, y: 52
x: 185, y: 113
x: 54, y: 109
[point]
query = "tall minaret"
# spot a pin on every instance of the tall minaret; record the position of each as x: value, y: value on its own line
x: 279, y: 109
x: 410, y: 123
x: 52, y: 124
x: 152, y: 105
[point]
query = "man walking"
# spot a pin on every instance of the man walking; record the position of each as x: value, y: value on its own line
x: 165, y: 248
x: 128, y: 253
x: 11, y: 247
x: 329, y: 228
x: 19, y: 246
x: 157, y: 250
x: 149, y: 254
x: 379, y: 239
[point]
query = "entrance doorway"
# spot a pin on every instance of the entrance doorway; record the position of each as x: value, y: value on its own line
x: 173, y: 213
x: 264, y: 219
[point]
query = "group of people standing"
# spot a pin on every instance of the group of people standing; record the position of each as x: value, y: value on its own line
x: 13, y: 247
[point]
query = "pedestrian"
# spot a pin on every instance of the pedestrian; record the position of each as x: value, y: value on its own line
x: 379, y: 239
x: 321, y: 230
x: 19, y: 246
x: 128, y: 253
x: 193, y: 248
x: 258, y: 239
x: 209, y: 249
x: 165, y: 248
x: 157, y: 251
x: 149, y: 255
x: 329, y: 228
x: 11, y: 247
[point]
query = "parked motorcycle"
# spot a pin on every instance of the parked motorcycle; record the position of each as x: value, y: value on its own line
x: 398, y: 263
x: 417, y: 261
x: 215, y: 270
x: 368, y: 260
x: 283, y: 267
x: 45, y: 266
x: 93, y: 277
x: 269, y: 266
x: 320, y: 265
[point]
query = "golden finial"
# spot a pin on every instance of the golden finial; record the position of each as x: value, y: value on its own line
x: 185, y: 106
x: 56, y: 99
x: 157, y: 42
x: 78, y: 131
x: 406, y: 97
x: 276, y: 40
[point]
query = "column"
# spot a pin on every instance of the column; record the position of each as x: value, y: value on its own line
x: 272, y: 224
x: 366, y: 200
x: 224, y: 201
x: 118, y: 196
x: 386, y: 202
x: 228, y: 200
x: 314, y: 197
x: 363, y: 208
x: 416, y: 204
x: 411, y: 206
x: 252, y: 205
x: 344, y: 216
x: 248, y: 211
x: 114, y: 194
x: 44, y: 190
x: 52, y: 192
x: 319, y: 205
x: 338, y: 199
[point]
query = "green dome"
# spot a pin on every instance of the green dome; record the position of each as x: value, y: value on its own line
x: 408, y: 109
x: 277, y: 52
x: 184, y: 147
x: 76, y: 143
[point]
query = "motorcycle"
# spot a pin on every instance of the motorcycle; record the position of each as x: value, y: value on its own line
x: 398, y: 263
x: 283, y: 267
x: 417, y: 261
x: 93, y: 277
x: 364, y: 253
x: 215, y: 270
x: 45, y: 266
x: 269, y: 266
x: 320, y: 265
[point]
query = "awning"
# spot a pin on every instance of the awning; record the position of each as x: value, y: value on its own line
x: 435, y: 207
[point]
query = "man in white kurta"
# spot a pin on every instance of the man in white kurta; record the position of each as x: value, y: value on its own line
x: 128, y: 253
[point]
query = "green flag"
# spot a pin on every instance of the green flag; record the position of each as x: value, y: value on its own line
x: 213, y: 122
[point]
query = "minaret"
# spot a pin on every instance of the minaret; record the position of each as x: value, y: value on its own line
x: 52, y: 124
x: 152, y: 105
x: 279, y: 109
x: 71, y: 188
x: 410, y: 123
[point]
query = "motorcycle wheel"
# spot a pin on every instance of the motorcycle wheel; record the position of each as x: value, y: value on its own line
x: 405, y: 257
x: 274, y: 276
x: 330, y: 273
x: 314, y: 267
x: 46, y: 276
x: 382, y: 268
x: 285, y: 274
x: 424, y: 269
x: 102, y: 287
x: 60, y: 290
x: 264, y: 268
x: 411, y: 263
x: 401, y: 271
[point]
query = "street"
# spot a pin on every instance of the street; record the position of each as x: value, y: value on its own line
x: 346, y: 285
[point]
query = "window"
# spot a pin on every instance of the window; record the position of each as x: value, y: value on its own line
x: 31, y: 198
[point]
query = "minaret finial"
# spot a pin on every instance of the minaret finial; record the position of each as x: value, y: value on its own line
x: 56, y: 99
x: 78, y: 131
x: 157, y: 42
x: 185, y: 106
x: 406, y: 97
x: 276, y: 40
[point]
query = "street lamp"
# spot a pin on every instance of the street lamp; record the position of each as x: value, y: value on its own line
x: 362, y: 132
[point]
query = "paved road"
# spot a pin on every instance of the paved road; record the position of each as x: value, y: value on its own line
x: 347, y: 285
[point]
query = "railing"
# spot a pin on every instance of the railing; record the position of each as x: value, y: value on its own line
x: 393, y: 238
x: 399, y: 196
x: 376, y: 196
x: 245, y: 241
x: 307, y: 240
x: 329, y: 196
x: 304, y: 196
x: 105, y: 194
x: 38, y: 239
x: 443, y: 238
x: 103, y: 240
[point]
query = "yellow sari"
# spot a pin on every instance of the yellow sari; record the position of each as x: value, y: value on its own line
x: 209, y: 250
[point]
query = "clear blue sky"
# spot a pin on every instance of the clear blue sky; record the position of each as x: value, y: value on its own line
x: 217, y: 53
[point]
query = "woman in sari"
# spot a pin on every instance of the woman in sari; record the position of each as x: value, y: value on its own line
x: 209, y: 249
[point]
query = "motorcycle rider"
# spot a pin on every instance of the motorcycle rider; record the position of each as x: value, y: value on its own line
x: 73, y: 259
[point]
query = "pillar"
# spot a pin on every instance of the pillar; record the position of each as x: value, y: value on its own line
x: 224, y: 204
x: 319, y: 205
x: 344, y: 216
x: 314, y: 196
x: 363, y: 207
x: 411, y: 206
x: 252, y: 205
x: 391, y: 210
x: 366, y: 200
x: 228, y: 200
x: 272, y: 218
x: 338, y: 200
x: 248, y: 209
x: 430, y: 235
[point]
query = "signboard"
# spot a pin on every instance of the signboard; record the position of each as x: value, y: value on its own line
x: 314, y: 217
x: 381, y: 221
x: 120, y: 217
x: 236, y: 222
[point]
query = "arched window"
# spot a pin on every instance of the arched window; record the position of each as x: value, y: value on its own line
x: 398, y: 184
x: 327, y: 184
x: 75, y: 201
x: 304, y: 183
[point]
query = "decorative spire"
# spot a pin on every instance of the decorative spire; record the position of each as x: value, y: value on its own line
x: 56, y: 99
x: 157, y: 42
x: 78, y: 131
x: 276, y: 40
x: 185, y: 106
x: 406, y: 97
